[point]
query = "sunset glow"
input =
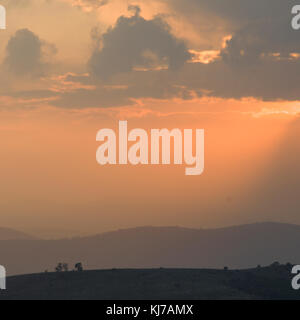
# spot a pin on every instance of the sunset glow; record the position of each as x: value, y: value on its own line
x: 158, y: 64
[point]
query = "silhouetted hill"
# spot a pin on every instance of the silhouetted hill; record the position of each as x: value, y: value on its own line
x: 10, y: 234
x: 155, y: 284
x: 149, y: 247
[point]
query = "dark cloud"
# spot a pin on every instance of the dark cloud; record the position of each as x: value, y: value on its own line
x: 258, y: 27
x: 268, y: 80
x: 134, y: 42
x: 237, y: 12
x: 99, y: 98
x: 262, y: 40
x: 27, y: 54
x: 33, y: 94
x: 258, y: 61
x: 122, y: 90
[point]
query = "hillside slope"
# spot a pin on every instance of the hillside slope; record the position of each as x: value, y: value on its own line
x: 155, y: 284
x: 10, y: 234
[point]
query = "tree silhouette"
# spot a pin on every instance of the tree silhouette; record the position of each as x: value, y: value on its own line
x: 65, y: 267
x: 78, y: 267
x: 59, y: 267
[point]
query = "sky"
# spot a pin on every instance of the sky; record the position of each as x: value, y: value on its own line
x: 69, y: 68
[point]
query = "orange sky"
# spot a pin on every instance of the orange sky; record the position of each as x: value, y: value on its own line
x: 50, y: 114
x: 50, y: 178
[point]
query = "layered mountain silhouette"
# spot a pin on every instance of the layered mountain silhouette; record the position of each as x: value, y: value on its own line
x: 151, y: 247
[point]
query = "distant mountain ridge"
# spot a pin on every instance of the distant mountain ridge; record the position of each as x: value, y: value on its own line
x: 154, y: 247
x: 10, y: 234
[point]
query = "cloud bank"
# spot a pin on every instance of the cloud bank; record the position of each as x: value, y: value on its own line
x: 146, y: 58
x: 27, y: 54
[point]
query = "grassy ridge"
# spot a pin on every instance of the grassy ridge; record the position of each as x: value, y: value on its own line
x: 261, y: 283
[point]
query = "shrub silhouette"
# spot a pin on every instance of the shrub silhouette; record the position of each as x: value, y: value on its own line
x: 62, y: 267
